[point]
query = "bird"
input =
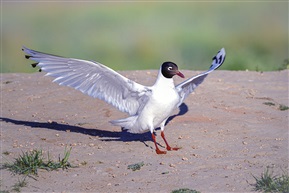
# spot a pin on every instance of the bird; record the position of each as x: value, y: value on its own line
x: 148, y: 107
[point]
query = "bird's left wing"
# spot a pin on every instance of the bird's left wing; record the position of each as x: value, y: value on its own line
x: 188, y: 86
x: 93, y: 79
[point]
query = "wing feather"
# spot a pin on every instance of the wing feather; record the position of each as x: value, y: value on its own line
x: 93, y: 79
x: 189, y: 85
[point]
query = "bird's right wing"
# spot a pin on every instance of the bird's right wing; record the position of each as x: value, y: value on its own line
x: 188, y: 86
x: 93, y: 79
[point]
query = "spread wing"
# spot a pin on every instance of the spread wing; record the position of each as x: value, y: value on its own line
x: 93, y: 79
x: 188, y: 86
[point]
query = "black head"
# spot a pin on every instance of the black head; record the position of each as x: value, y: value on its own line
x: 170, y: 69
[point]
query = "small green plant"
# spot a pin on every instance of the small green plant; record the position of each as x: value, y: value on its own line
x: 1, y: 189
x: 185, y: 190
x: 29, y: 163
x: 20, y: 184
x: 269, y: 103
x: 136, y: 166
x: 4, y: 191
x: 6, y: 153
x: 62, y: 163
x: 283, y: 107
x: 84, y: 163
x: 272, y: 183
x: 26, y: 163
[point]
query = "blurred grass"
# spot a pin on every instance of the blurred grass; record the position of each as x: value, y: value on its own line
x: 140, y: 35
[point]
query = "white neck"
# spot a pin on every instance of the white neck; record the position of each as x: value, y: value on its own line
x: 163, y: 81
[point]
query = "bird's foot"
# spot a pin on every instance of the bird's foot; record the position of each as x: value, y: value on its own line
x: 169, y: 148
x: 160, y: 151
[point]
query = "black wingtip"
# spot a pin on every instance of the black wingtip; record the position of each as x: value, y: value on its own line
x: 27, y: 56
x: 34, y: 65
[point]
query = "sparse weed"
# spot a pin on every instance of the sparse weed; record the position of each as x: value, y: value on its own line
x: 29, y: 163
x: 269, y: 103
x: 272, y: 183
x: 20, y: 184
x: 1, y: 189
x: 136, y: 166
x: 84, y: 163
x: 185, y: 190
x: 283, y: 107
x: 4, y: 191
x: 6, y: 153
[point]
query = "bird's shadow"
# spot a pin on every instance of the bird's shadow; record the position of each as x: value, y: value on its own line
x: 104, y: 135
x: 183, y: 109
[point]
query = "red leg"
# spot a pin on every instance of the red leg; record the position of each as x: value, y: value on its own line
x: 158, y: 151
x: 168, y: 146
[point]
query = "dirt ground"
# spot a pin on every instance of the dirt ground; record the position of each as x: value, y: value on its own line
x: 226, y: 132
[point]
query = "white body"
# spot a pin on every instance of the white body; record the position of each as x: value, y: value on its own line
x: 163, y: 100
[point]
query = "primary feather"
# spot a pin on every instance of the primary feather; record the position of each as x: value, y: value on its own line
x: 93, y: 79
x: 188, y: 86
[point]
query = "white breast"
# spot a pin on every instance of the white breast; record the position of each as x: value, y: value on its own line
x: 163, y: 101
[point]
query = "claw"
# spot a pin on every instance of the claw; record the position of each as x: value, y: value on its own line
x: 169, y: 148
x: 158, y: 151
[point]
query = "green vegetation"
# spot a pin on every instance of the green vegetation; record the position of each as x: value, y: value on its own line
x: 136, y: 166
x: 283, y: 107
x: 6, y: 153
x: 30, y: 162
x: 185, y: 190
x: 269, y: 103
x: 20, y: 184
x: 272, y: 183
x: 142, y: 35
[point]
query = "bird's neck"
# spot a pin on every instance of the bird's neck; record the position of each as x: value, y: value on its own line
x: 163, y: 81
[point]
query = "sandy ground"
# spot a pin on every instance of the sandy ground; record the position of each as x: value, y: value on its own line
x: 226, y: 132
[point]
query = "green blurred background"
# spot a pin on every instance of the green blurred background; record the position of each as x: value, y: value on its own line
x: 142, y: 35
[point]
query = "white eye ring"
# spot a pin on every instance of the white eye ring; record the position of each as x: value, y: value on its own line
x: 170, y: 68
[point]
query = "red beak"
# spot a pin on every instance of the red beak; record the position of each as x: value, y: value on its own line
x: 180, y: 74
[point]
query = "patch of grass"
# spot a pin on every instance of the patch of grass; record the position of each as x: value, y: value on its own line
x: 185, y: 190
x: 272, y: 183
x: 269, y: 103
x: 7, y: 82
x: 1, y: 189
x: 20, y: 184
x: 283, y: 107
x: 84, y: 163
x: 6, y: 153
x: 26, y: 163
x: 4, y: 191
x: 29, y: 163
x: 136, y: 166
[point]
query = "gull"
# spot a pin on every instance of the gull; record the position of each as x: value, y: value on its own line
x: 148, y: 107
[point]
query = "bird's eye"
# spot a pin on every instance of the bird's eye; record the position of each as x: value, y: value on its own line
x: 170, y: 68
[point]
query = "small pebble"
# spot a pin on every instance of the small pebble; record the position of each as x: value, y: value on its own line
x: 185, y: 159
